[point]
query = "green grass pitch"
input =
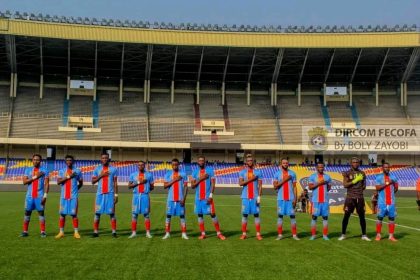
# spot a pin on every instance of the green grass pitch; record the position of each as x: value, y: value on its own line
x: 141, y: 258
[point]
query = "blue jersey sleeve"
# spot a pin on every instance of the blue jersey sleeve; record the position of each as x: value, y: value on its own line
x: 168, y: 177
x: 132, y: 178
x: 394, y: 178
x: 211, y: 173
x: 195, y: 174
x: 79, y: 175
x: 312, y: 179
x: 258, y: 173
x: 60, y: 174
x: 276, y: 175
x: 378, y: 180
x: 184, y: 177
x: 328, y: 180
x: 45, y: 171
x: 293, y: 177
x: 96, y: 171
x: 151, y: 179
x: 28, y: 172
x: 242, y: 174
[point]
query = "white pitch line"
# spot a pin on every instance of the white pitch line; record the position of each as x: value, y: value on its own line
x: 399, y: 225
x: 231, y: 205
x: 217, y: 205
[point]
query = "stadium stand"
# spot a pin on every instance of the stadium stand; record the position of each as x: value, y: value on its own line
x: 255, y: 123
x: 226, y: 173
x: 211, y: 107
x: 292, y: 117
x: 4, y: 111
x: 389, y: 110
x: 340, y: 112
x: 413, y: 109
x: 35, y: 117
x: 173, y: 122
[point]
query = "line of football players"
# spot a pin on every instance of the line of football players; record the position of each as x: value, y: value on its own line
x: 203, y: 181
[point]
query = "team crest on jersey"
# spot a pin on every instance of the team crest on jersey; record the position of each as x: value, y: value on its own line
x: 337, y: 194
x: 318, y: 139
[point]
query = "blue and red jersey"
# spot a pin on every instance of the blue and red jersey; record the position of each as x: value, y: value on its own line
x: 70, y: 189
x: 286, y: 191
x: 250, y: 190
x: 176, y: 191
x: 386, y: 196
x: 106, y: 183
x: 203, y: 190
x: 320, y: 194
x: 141, y: 188
x: 36, y: 188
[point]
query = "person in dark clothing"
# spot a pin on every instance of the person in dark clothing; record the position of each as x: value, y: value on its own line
x: 303, y: 201
x: 354, y: 180
x: 374, y: 201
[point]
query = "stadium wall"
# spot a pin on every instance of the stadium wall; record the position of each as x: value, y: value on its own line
x: 89, y: 153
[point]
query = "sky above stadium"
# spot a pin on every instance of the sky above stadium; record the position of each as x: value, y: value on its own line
x: 253, y: 12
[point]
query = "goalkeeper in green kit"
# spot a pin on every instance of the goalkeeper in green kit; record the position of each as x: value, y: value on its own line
x: 354, y: 180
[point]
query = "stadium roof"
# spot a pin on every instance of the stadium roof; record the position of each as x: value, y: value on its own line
x: 210, y: 35
x: 58, y: 47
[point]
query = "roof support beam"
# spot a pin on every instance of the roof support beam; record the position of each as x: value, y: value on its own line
x: 299, y: 88
x: 415, y: 55
x: 327, y: 74
x: 224, y: 77
x: 96, y: 61
x: 275, y: 77
x: 122, y: 72
x: 13, y: 65
x: 200, y: 65
x: 122, y: 61
x: 326, y: 77
x: 95, y: 79
x: 174, y: 66
x: 252, y: 66
x: 353, y: 74
x: 41, y: 55
x: 378, y: 77
x: 173, y: 76
x: 197, y: 86
x: 11, y: 52
x: 68, y: 72
x: 279, y: 60
x: 226, y: 65
x: 148, y: 70
x: 41, y: 69
x: 303, y: 66
x: 68, y: 57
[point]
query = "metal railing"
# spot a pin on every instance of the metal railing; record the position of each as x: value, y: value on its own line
x: 209, y: 27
